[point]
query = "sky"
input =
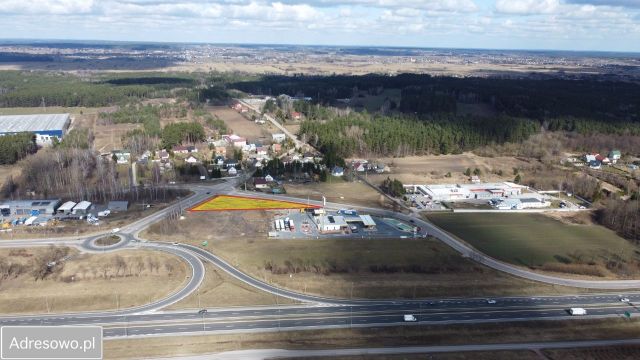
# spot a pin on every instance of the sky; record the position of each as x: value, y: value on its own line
x: 604, y: 25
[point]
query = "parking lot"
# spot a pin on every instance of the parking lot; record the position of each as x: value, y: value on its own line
x: 304, y: 227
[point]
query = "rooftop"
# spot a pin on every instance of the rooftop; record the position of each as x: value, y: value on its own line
x: 40, y: 122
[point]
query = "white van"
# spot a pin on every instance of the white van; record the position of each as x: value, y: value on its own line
x: 410, y: 318
x: 577, y: 311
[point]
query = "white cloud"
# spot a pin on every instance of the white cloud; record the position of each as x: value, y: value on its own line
x: 46, y: 6
x: 527, y: 7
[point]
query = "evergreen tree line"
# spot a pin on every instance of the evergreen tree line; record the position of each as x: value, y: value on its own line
x: 363, y: 134
x: 21, y: 89
x: 175, y: 134
x: 588, y: 98
x: 16, y: 147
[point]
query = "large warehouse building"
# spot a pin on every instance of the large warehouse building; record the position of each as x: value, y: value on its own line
x: 46, y: 127
x: 461, y: 192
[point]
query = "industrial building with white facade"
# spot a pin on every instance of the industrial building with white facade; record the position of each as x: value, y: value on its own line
x: 461, y: 192
x: 45, y: 127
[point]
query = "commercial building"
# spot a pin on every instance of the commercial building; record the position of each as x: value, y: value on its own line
x: 117, y: 206
x: 66, y: 208
x: 521, y: 203
x: 82, y: 208
x: 460, y: 192
x: 29, y: 207
x: 331, y: 223
x: 45, y: 127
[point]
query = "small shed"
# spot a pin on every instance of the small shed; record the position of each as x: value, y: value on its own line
x: 117, y: 206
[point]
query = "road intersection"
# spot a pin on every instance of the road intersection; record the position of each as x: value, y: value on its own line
x: 314, y: 312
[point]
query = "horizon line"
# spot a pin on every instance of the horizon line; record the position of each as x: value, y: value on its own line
x: 88, y: 41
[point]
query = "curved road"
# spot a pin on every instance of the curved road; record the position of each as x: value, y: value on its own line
x: 470, y: 252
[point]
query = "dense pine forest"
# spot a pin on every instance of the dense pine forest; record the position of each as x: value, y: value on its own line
x: 427, y: 115
x: 32, y: 89
x: 363, y: 134
x: 15, y: 147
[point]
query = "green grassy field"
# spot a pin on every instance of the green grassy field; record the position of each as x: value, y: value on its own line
x: 535, y: 240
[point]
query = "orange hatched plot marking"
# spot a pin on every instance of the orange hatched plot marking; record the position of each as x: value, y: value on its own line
x: 231, y: 202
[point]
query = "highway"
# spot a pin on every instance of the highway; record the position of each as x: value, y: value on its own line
x: 315, y: 312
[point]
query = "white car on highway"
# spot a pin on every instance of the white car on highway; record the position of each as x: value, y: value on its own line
x: 410, y: 318
x: 624, y: 299
x: 491, y: 301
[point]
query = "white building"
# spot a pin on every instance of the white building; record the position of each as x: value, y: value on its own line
x: 66, y: 208
x: 279, y: 137
x: 460, y: 192
x: 331, y: 223
x: 45, y: 127
x: 82, y: 208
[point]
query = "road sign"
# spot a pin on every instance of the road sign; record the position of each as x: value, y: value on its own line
x: 205, y: 243
x: 627, y: 314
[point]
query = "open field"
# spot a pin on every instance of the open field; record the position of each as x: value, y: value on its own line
x: 497, y: 355
x: 89, y: 281
x: 220, y: 290
x: 229, y: 202
x: 339, y: 191
x: 429, y: 169
x: 617, y: 352
x: 528, y: 331
x: 358, y: 268
x: 240, y: 125
x: 544, y: 243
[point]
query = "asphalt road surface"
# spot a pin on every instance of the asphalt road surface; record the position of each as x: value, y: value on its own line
x: 319, y: 312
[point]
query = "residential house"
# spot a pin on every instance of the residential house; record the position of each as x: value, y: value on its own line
x: 595, y: 164
x: 230, y: 163
x: 475, y: 179
x: 279, y: 137
x: 360, y: 167
x: 260, y: 183
x: 603, y: 159
x: 235, y: 140
x: 588, y: 158
x: 269, y: 178
x: 219, y: 160
x: 615, y: 155
x: 337, y: 171
x: 276, y: 148
x: 163, y: 155
x: 237, y: 107
x: 296, y: 115
x: 380, y: 167
x: 262, y: 150
x: 308, y: 157
x: 191, y: 160
x: 184, y: 149
x: 232, y: 171
x: 123, y: 157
